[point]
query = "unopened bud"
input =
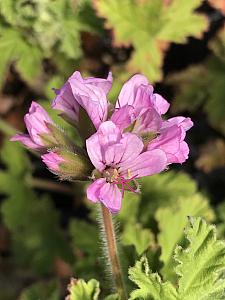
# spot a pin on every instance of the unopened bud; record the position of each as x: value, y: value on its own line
x: 55, y: 137
x: 67, y: 164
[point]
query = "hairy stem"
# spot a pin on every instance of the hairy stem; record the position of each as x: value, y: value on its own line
x: 110, y: 242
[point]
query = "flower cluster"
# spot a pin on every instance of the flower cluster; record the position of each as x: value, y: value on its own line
x: 121, y: 144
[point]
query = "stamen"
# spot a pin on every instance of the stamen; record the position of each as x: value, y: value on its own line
x: 124, y: 183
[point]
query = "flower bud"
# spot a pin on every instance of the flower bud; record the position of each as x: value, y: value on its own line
x: 42, y: 132
x: 67, y: 164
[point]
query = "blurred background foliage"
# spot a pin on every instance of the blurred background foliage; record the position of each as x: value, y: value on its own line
x: 48, y: 230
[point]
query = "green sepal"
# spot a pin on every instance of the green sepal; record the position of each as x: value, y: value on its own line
x: 56, y: 137
x: 76, y: 164
x: 85, y: 126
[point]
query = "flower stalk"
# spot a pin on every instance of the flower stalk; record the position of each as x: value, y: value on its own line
x: 110, y: 242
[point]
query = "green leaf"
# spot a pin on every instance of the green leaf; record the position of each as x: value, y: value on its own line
x: 79, y: 289
x: 15, y: 48
x: 149, y: 26
x: 35, y: 244
x: 141, y: 238
x: 15, y: 158
x: 171, y: 222
x: 150, y: 285
x: 130, y: 206
x: 202, y: 86
x: 80, y: 233
x: 161, y: 191
x: 41, y: 291
x: 201, y: 265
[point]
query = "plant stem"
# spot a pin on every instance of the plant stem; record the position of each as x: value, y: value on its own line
x: 112, y: 251
x: 49, y: 185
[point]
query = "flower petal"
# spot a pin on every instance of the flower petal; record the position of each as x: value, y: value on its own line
x: 186, y: 123
x: 26, y: 140
x: 109, y: 134
x: 93, y: 190
x: 148, y: 121
x: 104, y: 84
x: 128, y: 92
x: 160, y: 104
x: 128, y: 148
x: 171, y: 141
x: 91, y: 95
x: 123, y: 116
x: 95, y: 152
x: 147, y: 163
x: 65, y: 102
x: 52, y: 161
x: 111, y: 197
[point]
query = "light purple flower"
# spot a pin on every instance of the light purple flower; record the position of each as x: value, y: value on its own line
x: 119, y: 159
x: 138, y: 107
x: 52, y: 161
x: 138, y: 93
x: 36, y: 121
x: 88, y: 93
x: 171, y: 139
x: 138, y: 110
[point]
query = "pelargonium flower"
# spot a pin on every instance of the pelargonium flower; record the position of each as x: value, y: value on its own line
x: 133, y: 141
x: 119, y: 158
x: 87, y: 93
x: 37, y: 121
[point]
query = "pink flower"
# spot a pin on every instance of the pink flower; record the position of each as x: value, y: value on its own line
x: 36, y: 120
x: 52, y: 161
x: 119, y: 159
x: 137, y: 92
x: 171, y: 139
x: 89, y: 93
x: 138, y: 106
x: 139, y: 110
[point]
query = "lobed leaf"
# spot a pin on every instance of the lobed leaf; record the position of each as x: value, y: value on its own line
x: 149, y: 26
x: 201, y: 265
x: 172, y: 220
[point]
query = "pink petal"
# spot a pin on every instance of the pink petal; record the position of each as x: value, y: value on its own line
x: 93, y: 190
x: 36, y: 120
x: 91, y: 95
x: 132, y: 147
x: 171, y: 142
x: 52, y: 161
x: 186, y: 123
x: 111, y: 197
x: 26, y: 140
x: 148, y: 121
x: 160, y: 104
x: 123, y: 116
x: 95, y: 152
x: 128, y: 92
x: 65, y: 102
x: 128, y: 148
x: 143, y: 97
x: 109, y: 134
x: 147, y: 163
x: 109, y: 194
x: 104, y: 84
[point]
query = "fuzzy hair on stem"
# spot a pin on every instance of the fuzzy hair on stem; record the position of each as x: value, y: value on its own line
x: 109, y: 246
